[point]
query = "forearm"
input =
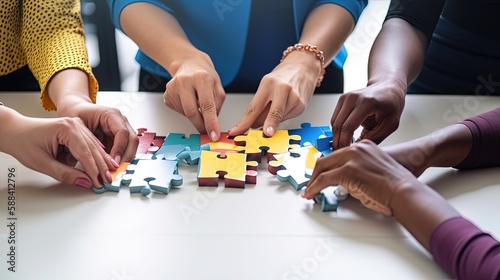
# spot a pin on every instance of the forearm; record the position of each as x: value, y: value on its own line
x: 9, y: 121
x: 159, y: 35
x: 62, y: 47
x: 327, y: 27
x: 420, y: 210
x: 68, y: 87
x: 443, y: 148
x: 397, y: 55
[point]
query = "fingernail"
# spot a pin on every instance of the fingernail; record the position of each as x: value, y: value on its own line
x: 270, y: 130
x: 118, y: 158
x: 233, y: 128
x: 101, y: 144
x: 213, y: 136
x: 109, y: 179
x: 115, y: 164
x: 83, y: 183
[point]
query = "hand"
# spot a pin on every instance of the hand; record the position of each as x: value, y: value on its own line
x: 282, y: 94
x: 196, y: 92
x: 54, y: 146
x: 369, y: 174
x: 109, y: 125
x: 377, y: 108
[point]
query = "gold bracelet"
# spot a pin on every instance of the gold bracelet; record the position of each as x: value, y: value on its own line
x: 310, y: 48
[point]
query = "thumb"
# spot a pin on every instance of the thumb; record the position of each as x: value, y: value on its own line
x: 65, y: 174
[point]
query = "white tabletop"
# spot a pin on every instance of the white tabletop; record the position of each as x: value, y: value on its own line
x: 265, y: 231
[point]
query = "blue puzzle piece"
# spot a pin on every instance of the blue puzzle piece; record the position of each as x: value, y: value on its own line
x: 147, y: 175
x: 329, y: 198
x: 193, y: 142
x: 192, y: 157
x: 169, y: 152
x: 309, y: 134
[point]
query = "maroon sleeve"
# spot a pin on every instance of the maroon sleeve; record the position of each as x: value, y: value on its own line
x: 485, y: 150
x: 464, y: 251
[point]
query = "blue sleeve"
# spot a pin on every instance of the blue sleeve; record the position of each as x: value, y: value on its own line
x: 355, y: 7
x: 116, y: 7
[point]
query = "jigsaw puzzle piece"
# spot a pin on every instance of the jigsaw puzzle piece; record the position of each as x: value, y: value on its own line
x: 169, y: 152
x: 116, y: 175
x: 309, y: 134
x: 225, y: 143
x: 324, y: 144
x: 149, y: 142
x: 256, y: 143
x: 193, y: 141
x: 233, y: 167
x: 295, y: 166
x: 147, y: 175
x: 330, y: 198
x: 192, y: 157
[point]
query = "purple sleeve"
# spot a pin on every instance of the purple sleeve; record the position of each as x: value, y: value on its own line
x: 464, y: 251
x: 485, y: 150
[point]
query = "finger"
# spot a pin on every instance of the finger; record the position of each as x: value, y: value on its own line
x: 322, y: 167
x: 379, y: 131
x: 93, y: 158
x: 208, y: 106
x: 124, y: 142
x: 253, y: 111
x: 171, y: 97
x: 322, y: 180
x: 346, y: 123
x: 64, y: 173
x: 190, y: 108
x: 220, y: 97
x: 276, y: 112
x: 259, y: 122
x: 341, y: 113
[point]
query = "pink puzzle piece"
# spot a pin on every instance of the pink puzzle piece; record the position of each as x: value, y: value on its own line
x: 149, y: 142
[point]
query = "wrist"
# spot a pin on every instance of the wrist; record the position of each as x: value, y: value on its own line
x: 392, y: 83
x: 10, y: 122
x: 308, y: 56
x: 186, y: 54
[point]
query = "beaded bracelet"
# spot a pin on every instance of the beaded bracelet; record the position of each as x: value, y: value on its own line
x: 310, y: 48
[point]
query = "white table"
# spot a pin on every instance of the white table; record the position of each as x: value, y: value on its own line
x: 265, y: 231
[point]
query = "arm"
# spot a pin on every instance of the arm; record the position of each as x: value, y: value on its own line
x: 381, y: 184
x: 469, y: 144
x: 291, y: 84
x: 194, y: 77
x: 57, y: 56
x: 396, y: 59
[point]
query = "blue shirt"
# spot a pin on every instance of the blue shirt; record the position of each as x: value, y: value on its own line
x: 225, y: 31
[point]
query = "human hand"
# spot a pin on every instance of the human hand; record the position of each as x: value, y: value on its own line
x: 368, y: 173
x: 282, y: 94
x: 196, y: 92
x: 377, y: 108
x: 109, y: 125
x: 53, y: 146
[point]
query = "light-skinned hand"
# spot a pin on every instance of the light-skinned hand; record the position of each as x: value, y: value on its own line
x: 195, y: 91
x: 282, y: 94
x: 109, y: 125
x: 53, y: 146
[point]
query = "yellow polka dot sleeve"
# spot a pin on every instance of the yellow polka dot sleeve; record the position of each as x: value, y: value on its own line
x: 53, y: 40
